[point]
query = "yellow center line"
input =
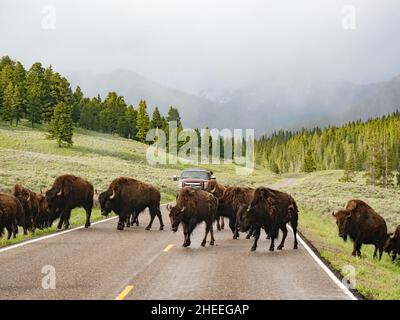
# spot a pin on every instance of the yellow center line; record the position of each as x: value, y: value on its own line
x: 124, y: 293
x: 168, y: 247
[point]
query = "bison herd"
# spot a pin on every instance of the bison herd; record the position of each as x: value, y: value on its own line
x: 249, y: 210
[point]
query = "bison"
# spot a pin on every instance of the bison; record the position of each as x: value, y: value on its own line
x: 43, y: 217
x: 29, y: 202
x: 193, y: 207
x: 272, y: 210
x: 217, y: 189
x: 363, y: 225
x: 126, y: 196
x: 12, y: 214
x: 230, y: 203
x: 69, y: 192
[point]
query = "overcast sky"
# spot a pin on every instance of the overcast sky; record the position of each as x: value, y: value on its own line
x: 199, y: 44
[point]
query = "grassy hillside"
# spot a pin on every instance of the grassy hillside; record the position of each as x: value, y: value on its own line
x: 319, y: 194
x: 27, y: 157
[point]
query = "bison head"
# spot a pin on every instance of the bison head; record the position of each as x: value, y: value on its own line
x: 390, y: 243
x: 343, y: 222
x: 55, y: 203
x: 106, y: 200
x: 175, y: 216
x: 244, y: 217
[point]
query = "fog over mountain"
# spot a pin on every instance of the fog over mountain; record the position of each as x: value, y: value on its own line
x: 263, y: 64
x: 264, y: 106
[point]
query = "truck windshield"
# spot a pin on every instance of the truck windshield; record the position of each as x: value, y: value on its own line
x: 195, y: 175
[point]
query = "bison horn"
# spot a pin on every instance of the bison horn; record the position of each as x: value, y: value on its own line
x: 183, y: 209
x: 333, y: 214
x: 113, y: 195
x: 169, y: 207
x: 60, y: 193
x: 29, y: 197
x: 213, y: 189
x: 248, y: 208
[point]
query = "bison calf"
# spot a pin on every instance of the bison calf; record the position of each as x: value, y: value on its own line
x: 363, y: 225
x: 193, y: 207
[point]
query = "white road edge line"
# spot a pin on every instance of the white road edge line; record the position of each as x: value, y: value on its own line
x: 325, y: 268
x: 52, y: 235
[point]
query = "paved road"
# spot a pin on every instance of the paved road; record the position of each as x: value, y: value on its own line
x: 100, y: 262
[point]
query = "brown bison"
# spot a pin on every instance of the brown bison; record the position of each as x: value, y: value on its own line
x: 12, y: 215
x: 392, y: 245
x: 193, y: 207
x: 272, y: 210
x: 363, y: 225
x: 126, y: 196
x: 232, y: 200
x: 43, y: 216
x: 69, y: 192
x: 29, y: 202
x: 217, y: 189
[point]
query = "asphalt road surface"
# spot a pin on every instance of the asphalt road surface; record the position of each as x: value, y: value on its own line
x: 104, y: 263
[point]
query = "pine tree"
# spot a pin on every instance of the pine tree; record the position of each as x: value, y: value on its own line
x: 8, y: 102
x: 173, y: 115
x: 142, y: 121
x: 309, y: 163
x: 156, y: 120
x: 35, y: 92
x: 61, y: 125
x: 77, y: 98
x: 18, y: 104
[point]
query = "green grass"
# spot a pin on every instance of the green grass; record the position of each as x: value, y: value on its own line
x: 27, y: 157
x: 319, y: 194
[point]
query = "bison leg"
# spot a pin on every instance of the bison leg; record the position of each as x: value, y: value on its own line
x: 88, y: 210
x: 203, y: 243
x: 294, y: 228
x: 10, y: 232
x: 122, y: 219
x: 186, y: 233
x: 64, y: 216
x: 222, y: 223
x: 394, y: 254
x: 256, y: 233
x: 272, y: 245
x: 159, y: 216
x: 212, y: 235
x: 128, y: 220
x: 152, y: 216
x: 135, y: 219
x: 218, y: 225
x: 356, y: 249
x: 375, y: 256
x: 380, y: 253
x: 233, y: 226
x: 284, y: 231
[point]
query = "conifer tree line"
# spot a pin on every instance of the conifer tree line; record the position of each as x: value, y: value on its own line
x: 42, y: 95
x: 372, y: 146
